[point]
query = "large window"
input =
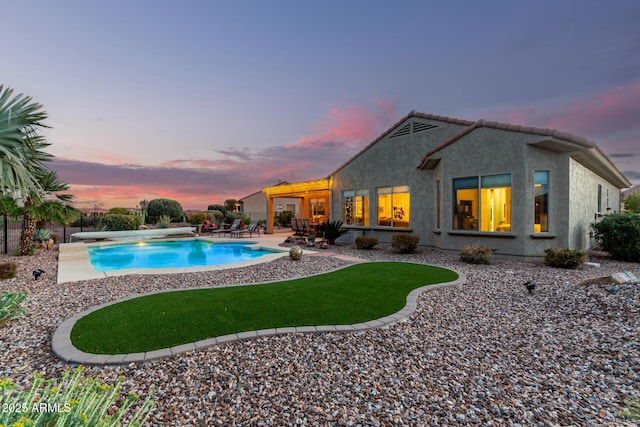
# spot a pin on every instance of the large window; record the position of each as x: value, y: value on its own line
x: 541, y: 201
x: 318, y: 211
x: 356, y: 207
x: 482, y: 203
x: 393, y: 206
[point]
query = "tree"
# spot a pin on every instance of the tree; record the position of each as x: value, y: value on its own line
x: 22, y: 155
x: 230, y: 205
x: 45, y: 204
x: 632, y: 203
x: 20, y: 144
x: 160, y: 207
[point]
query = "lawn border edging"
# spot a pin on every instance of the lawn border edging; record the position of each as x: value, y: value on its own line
x: 64, y: 349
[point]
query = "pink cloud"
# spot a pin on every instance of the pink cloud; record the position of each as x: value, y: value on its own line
x: 352, y: 125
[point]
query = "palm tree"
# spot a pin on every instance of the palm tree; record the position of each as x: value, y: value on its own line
x: 46, y: 206
x: 20, y: 144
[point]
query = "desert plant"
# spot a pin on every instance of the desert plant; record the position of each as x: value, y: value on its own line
x: 619, y: 235
x: 404, y: 243
x: 564, y: 258
x: 164, y: 221
x: 8, y: 270
x: 118, y: 222
x: 366, y: 242
x: 331, y: 231
x: 41, y: 235
x: 10, y: 306
x: 71, y: 401
x: 476, y: 254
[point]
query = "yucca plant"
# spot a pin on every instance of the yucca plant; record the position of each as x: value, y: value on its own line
x: 331, y: 230
x: 72, y: 401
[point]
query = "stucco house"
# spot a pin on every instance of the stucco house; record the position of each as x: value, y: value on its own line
x: 516, y: 189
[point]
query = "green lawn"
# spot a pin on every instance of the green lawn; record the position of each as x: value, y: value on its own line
x: 355, y: 294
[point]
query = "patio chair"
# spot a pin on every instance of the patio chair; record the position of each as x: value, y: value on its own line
x: 236, y: 225
x: 307, y: 227
x: 252, y: 228
x: 297, y: 226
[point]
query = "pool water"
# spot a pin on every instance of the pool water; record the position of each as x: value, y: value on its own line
x: 169, y: 254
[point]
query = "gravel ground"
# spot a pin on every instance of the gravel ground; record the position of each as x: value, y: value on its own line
x: 483, y: 353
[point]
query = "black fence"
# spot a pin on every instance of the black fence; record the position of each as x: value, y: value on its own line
x: 11, y: 229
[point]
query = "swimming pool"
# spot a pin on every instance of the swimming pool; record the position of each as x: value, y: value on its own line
x: 170, y: 254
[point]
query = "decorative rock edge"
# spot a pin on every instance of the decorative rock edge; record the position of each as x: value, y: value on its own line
x: 64, y: 349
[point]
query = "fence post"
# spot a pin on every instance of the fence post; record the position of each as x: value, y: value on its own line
x: 6, y: 237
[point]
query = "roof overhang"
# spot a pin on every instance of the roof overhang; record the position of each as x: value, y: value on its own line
x: 296, y: 188
x: 588, y: 155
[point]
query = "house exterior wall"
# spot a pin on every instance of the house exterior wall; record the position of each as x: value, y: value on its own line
x: 392, y: 162
x: 255, y: 205
x: 484, y: 151
x: 583, y: 203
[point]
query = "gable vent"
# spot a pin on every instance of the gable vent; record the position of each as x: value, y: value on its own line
x: 420, y: 127
x: 412, y: 127
x: 404, y: 130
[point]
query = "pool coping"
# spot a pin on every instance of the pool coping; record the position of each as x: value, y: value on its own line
x: 74, y: 264
x: 64, y: 349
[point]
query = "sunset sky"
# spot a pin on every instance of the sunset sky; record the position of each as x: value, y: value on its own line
x: 203, y: 101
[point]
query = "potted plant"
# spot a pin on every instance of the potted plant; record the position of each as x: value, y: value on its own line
x: 311, y: 239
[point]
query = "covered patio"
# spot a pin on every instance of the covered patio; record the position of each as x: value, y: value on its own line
x: 314, y: 200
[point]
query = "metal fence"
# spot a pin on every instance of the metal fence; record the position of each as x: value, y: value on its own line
x: 11, y: 229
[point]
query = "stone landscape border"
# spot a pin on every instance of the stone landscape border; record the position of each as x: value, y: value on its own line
x: 64, y: 349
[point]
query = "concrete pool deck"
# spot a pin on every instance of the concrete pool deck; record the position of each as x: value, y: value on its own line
x: 74, y: 264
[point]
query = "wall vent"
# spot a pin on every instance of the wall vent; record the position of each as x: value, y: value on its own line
x: 404, y: 130
x: 412, y: 127
x: 420, y: 127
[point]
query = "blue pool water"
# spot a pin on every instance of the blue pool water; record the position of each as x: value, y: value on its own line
x: 168, y: 254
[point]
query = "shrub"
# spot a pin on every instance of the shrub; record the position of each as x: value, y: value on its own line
x: 215, y: 217
x: 159, y: 207
x: 10, y: 306
x: 232, y: 216
x: 77, y: 401
x: 404, y: 243
x: 476, y: 254
x: 219, y: 208
x: 366, y: 242
x: 8, y: 270
x: 196, y: 218
x: 118, y: 222
x: 284, y: 218
x: 331, y: 231
x: 564, y: 258
x: 118, y: 211
x: 619, y: 235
